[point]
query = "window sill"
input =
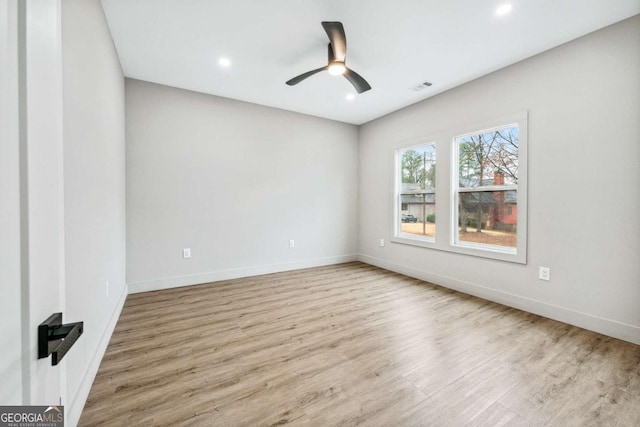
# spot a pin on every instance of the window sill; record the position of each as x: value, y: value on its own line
x: 478, y: 251
x: 424, y: 242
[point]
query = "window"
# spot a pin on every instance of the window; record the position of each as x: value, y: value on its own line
x: 480, y: 198
x: 486, y: 189
x: 416, y: 192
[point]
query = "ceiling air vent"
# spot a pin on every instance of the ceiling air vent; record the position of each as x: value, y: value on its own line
x: 421, y: 86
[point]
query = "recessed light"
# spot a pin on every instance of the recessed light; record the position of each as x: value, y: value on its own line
x: 503, y: 10
x: 350, y: 97
x: 224, y: 62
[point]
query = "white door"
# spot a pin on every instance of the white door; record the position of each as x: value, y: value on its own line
x: 31, y: 194
x: 11, y: 391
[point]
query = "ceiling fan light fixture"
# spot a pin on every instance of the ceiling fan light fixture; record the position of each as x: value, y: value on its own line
x: 337, y: 68
x: 337, y: 52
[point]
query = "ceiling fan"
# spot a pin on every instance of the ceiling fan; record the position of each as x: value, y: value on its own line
x: 337, y: 58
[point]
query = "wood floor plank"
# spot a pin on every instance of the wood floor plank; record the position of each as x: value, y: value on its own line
x: 498, y: 416
x: 352, y: 344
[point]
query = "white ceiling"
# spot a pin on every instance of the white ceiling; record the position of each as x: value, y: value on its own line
x: 394, y: 45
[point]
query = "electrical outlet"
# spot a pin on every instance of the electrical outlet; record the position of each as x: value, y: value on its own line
x: 292, y: 243
x: 106, y: 289
x: 186, y: 253
x: 381, y: 243
x: 544, y: 273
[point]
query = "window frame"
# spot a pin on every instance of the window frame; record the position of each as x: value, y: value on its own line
x: 398, y: 235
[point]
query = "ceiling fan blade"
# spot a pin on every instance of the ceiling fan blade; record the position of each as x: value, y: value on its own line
x: 301, y: 77
x: 335, y: 31
x: 331, y: 57
x: 357, y: 81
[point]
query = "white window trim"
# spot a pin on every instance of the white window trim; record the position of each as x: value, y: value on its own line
x: 446, y: 200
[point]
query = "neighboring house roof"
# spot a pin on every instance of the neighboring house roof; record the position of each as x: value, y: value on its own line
x: 411, y: 187
x: 417, y: 199
x: 510, y: 196
x: 487, y: 197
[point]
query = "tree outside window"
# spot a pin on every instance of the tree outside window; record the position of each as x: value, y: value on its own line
x: 487, y: 187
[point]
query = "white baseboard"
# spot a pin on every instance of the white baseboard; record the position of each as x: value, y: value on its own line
x: 236, y: 273
x: 77, y: 404
x: 597, y: 324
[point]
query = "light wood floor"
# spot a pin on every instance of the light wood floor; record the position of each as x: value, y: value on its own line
x: 354, y: 345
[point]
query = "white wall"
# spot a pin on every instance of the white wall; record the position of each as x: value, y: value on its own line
x: 94, y: 190
x: 234, y: 182
x: 583, y: 100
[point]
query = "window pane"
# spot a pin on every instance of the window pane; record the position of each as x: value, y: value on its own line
x: 488, y: 217
x: 419, y: 217
x: 417, y: 202
x: 488, y: 158
x: 418, y: 168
